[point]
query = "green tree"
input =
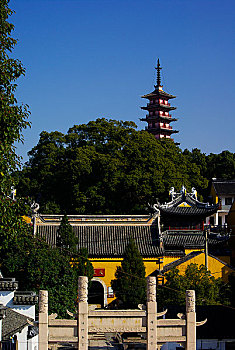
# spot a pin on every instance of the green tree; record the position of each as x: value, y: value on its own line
x: 83, y: 265
x: 13, y: 120
x: 66, y: 238
x: 129, y: 284
x: 105, y: 167
x: 13, y: 117
x: 37, y: 266
x: 206, y: 286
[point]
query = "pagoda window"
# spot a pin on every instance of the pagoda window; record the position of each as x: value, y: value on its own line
x: 166, y: 113
x: 161, y: 112
x: 161, y: 101
x: 151, y: 113
x: 151, y: 102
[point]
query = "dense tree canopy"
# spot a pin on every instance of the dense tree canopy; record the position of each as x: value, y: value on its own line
x: 105, y: 166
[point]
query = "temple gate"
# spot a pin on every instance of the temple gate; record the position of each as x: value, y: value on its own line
x: 158, y: 331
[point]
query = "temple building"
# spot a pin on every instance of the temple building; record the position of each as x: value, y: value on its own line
x: 173, y: 234
x: 159, y: 117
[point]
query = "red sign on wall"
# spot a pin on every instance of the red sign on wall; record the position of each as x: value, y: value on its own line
x: 99, y: 272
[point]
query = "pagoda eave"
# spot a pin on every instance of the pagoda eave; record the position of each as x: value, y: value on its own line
x: 158, y: 108
x: 157, y: 93
x: 158, y: 118
x: 162, y: 130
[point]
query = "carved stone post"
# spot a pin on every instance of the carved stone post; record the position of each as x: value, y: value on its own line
x: 82, y: 313
x: 190, y: 320
x: 43, y: 320
x: 151, y: 314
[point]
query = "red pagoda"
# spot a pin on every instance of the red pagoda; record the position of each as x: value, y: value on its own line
x: 158, y: 117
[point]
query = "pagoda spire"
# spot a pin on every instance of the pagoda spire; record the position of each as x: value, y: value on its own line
x: 158, y: 68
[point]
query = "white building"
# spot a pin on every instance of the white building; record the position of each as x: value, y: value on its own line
x: 222, y: 192
x: 16, y: 309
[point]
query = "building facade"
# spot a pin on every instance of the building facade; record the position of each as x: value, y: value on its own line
x: 160, y: 240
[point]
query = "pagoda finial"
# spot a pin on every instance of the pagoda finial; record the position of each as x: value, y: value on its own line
x: 158, y: 68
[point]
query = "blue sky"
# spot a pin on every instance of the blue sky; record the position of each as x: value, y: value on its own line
x: 86, y: 59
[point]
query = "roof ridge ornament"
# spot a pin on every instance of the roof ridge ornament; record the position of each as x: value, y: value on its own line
x: 172, y: 193
x: 194, y: 193
x: 183, y: 190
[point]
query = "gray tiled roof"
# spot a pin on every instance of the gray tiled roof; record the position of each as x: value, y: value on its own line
x: 189, y: 239
x: 13, y: 322
x: 224, y: 187
x: 110, y: 240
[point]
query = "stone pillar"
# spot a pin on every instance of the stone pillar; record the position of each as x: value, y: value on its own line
x: 43, y: 320
x: 151, y: 314
x: 82, y: 313
x: 190, y: 320
x: 216, y: 216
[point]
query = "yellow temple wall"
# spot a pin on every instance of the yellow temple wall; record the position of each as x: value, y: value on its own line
x: 217, y: 268
x: 110, y: 266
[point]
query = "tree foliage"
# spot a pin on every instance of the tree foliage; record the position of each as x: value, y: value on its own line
x: 129, y: 284
x: 105, y: 167
x: 83, y: 265
x: 13, y: 117
x: 37, y: 266
x: 34, y: 264
x: 209, y: 290
x: 66, y: 238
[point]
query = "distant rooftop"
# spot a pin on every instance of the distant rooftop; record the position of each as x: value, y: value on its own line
x: 226, y: 187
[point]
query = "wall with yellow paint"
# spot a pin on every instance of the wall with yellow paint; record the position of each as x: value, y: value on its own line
x: 110, y: 266
x: 217, y: 268
x: 214, y: 195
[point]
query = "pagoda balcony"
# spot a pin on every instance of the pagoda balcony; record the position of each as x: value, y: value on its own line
x: 159, y: 103
x: 163, y: 130
x: 159, y: 117
x: 158, y: 107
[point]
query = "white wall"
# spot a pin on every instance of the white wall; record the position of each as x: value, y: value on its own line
x: 27, y: 310
x: 33, y: 343
x: 6, y: 298
x: 22, y: 339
